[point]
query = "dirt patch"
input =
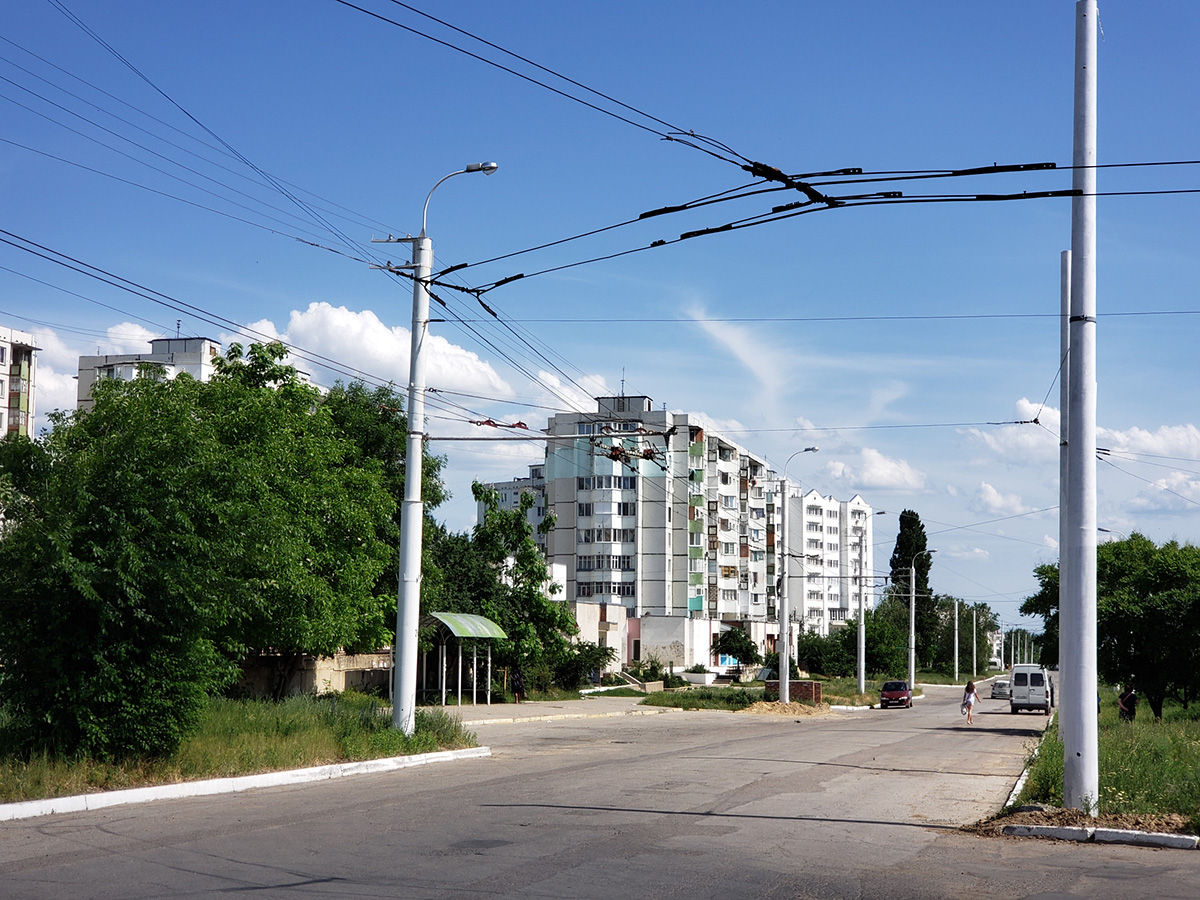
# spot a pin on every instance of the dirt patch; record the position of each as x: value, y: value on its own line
x: 787, y: 709
x: 1169, y: 823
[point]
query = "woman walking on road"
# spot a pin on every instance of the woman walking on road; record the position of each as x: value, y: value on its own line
x: 970, y: 698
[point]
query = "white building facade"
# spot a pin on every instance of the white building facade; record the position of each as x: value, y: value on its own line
x: 681, y: 528
x: 18, y: 376
x: 167, y: 358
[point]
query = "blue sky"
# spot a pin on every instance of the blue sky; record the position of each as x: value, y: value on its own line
x: 889, y: 336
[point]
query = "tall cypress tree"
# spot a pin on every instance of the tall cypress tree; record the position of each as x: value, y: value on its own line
x: 911, y: 555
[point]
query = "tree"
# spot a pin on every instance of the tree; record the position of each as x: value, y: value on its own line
x: 736, y: 643
x: 1148, y: 616
x: 109, y: 602
x: 499, y: 572
x: 911, y: 555
x: 1044, y: 604
x: 154, y: 541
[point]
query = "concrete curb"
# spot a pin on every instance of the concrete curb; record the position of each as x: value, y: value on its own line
x: 28, y: 809
x: 1106, y: 836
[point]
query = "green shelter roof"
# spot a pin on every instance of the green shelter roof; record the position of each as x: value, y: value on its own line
x: 466, y: 625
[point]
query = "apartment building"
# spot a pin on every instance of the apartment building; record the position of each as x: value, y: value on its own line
x: 167, y: 358
x: 18, y: 375
x: 681, y: 528
x: 510, y: 493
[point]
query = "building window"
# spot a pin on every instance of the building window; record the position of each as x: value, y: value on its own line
x: 695, y: 539
x: 814, y: 544
x: 626, y: 509
x: 728, y: 547
x: 813, y: 510
x: 584, y: 563
x: 837, y: 614
x: 583, y: 589
x: 833, y: 514
x: 729, y: 596
x: 583, y: 510
x: 584, y: 535
x: 584, y: 428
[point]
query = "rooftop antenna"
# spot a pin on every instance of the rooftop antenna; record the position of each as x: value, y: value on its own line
x: 178, y: 322
x: 622, y: 381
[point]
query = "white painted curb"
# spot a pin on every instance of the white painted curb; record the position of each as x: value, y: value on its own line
x: 1146, y: 838
x: 31, y: 808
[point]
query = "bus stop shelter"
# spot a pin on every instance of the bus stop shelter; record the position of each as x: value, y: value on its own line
x: 457, y: 628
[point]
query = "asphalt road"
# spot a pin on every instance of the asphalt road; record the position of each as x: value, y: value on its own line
x: 688, y: 805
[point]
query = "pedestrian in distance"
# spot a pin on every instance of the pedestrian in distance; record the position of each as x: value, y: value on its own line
x: 518, y: 685
x: 1127, y: 704
x: 970, y: 698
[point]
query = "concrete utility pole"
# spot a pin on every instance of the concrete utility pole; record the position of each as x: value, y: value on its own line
x: 783, y: 611
x: 1081, y: 768
x: 912, y: 619
x: 956, y: 640
x: 412, y: 516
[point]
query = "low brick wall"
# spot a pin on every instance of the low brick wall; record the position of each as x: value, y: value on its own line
x: 797, y: 690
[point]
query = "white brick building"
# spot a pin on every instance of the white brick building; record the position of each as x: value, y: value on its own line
x: 672, y: 522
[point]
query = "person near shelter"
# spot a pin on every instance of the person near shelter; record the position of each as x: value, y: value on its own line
x: 1127, y: 704
x: 970, y: 698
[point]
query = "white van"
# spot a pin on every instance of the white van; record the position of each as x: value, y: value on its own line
x: 1031, y: 688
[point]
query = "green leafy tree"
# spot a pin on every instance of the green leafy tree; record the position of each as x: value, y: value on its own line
x: 1148, y: 616
x: 736, y: 643
x: 109, y: 599
x: 154, y: 541
x: 316, y: 521
x: 1044, y: 605
x: 499, y: 572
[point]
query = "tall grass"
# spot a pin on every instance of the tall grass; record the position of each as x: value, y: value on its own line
x: 242, y: 737
x: 1145, y: 766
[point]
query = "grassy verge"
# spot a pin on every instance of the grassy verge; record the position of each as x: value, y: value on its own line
x: 706, y: 698
x: 1146, y: 767
x: 246, y: 737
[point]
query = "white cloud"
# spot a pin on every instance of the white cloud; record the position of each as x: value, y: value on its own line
x: 1035, y: 441
x: 975, y: 554
x: 1166, y: 440
x: 1050, y: 542
x: 1175, y: 492
x: 361, y: 341
x: 876, y: 471
x: 989, y: 501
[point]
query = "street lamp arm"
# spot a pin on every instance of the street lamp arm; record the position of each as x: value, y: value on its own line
x: 487, y: 168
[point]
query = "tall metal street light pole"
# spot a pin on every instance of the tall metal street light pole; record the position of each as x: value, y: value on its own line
x: 412, y: 517
x: 783, y: 612
x: 912, y: 618
x: 1077, y: 608
x: 862, y: 623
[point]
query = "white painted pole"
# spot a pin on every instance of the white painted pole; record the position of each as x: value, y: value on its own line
x: 956, y: 640
x: 912, y: 625
x: 1081, y: 769
x: 412, y: 514
x: 862, y: 624
x: 1064, y: 403
x: 784, y: 665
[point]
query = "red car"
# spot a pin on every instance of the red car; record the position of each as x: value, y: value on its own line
x: 895, y: 693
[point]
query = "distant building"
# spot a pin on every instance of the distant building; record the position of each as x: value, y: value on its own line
x: 510, y: 498
x: 18, y: 374
x: 167, y: 358
x: 682, y: 529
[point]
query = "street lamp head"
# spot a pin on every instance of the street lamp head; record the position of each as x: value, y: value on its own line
x: 811, y: 449
x: 487, y: 168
